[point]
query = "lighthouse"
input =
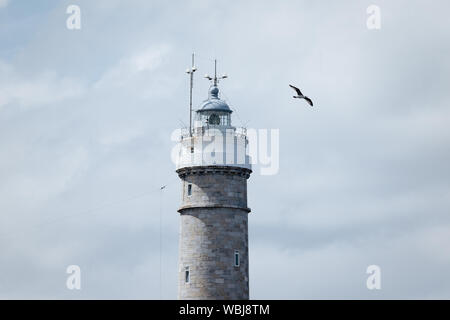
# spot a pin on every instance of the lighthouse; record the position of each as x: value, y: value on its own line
x: 213, y: 166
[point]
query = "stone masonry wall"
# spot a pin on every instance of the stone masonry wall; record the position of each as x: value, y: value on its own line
x: 208, y: 240
x: 214, y: 224
x: 215, y: 188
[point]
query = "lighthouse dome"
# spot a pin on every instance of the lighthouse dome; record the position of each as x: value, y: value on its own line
x: 213, y: 103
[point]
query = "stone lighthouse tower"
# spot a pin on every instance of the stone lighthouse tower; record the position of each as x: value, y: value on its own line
x: 213, y: 166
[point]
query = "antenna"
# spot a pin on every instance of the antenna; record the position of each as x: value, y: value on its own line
x: 191, y: 72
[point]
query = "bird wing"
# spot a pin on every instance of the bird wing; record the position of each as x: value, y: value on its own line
x: 296, y: 89
x: 309, y: 101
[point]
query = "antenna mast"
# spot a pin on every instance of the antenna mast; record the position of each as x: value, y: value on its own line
x: 191, y: 72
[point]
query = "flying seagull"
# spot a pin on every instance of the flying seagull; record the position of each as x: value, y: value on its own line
x: 301, y: 96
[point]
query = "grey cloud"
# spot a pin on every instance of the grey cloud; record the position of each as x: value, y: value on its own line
x: 363, y: 176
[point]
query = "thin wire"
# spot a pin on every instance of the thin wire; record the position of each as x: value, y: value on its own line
x: 182, y: 123
x: 91, y: 210
x: 160, y: 241
x: 232, y: 108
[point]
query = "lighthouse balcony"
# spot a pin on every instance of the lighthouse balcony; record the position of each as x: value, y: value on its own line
x: 214, y: 147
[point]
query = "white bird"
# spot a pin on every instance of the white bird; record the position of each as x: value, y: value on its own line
x: 301, y: 96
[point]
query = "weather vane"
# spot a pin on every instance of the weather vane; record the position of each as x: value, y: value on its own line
x: 215, y: 79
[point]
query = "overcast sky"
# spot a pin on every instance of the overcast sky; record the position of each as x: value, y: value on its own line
x: 86, y: 118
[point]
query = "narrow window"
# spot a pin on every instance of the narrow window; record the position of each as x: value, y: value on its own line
x: 236, y: 258
x: 192, y: 149
x: 187, y: 275
x: 189, y: 190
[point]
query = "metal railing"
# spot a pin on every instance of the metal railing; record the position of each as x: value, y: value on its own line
x: 185, y: 134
